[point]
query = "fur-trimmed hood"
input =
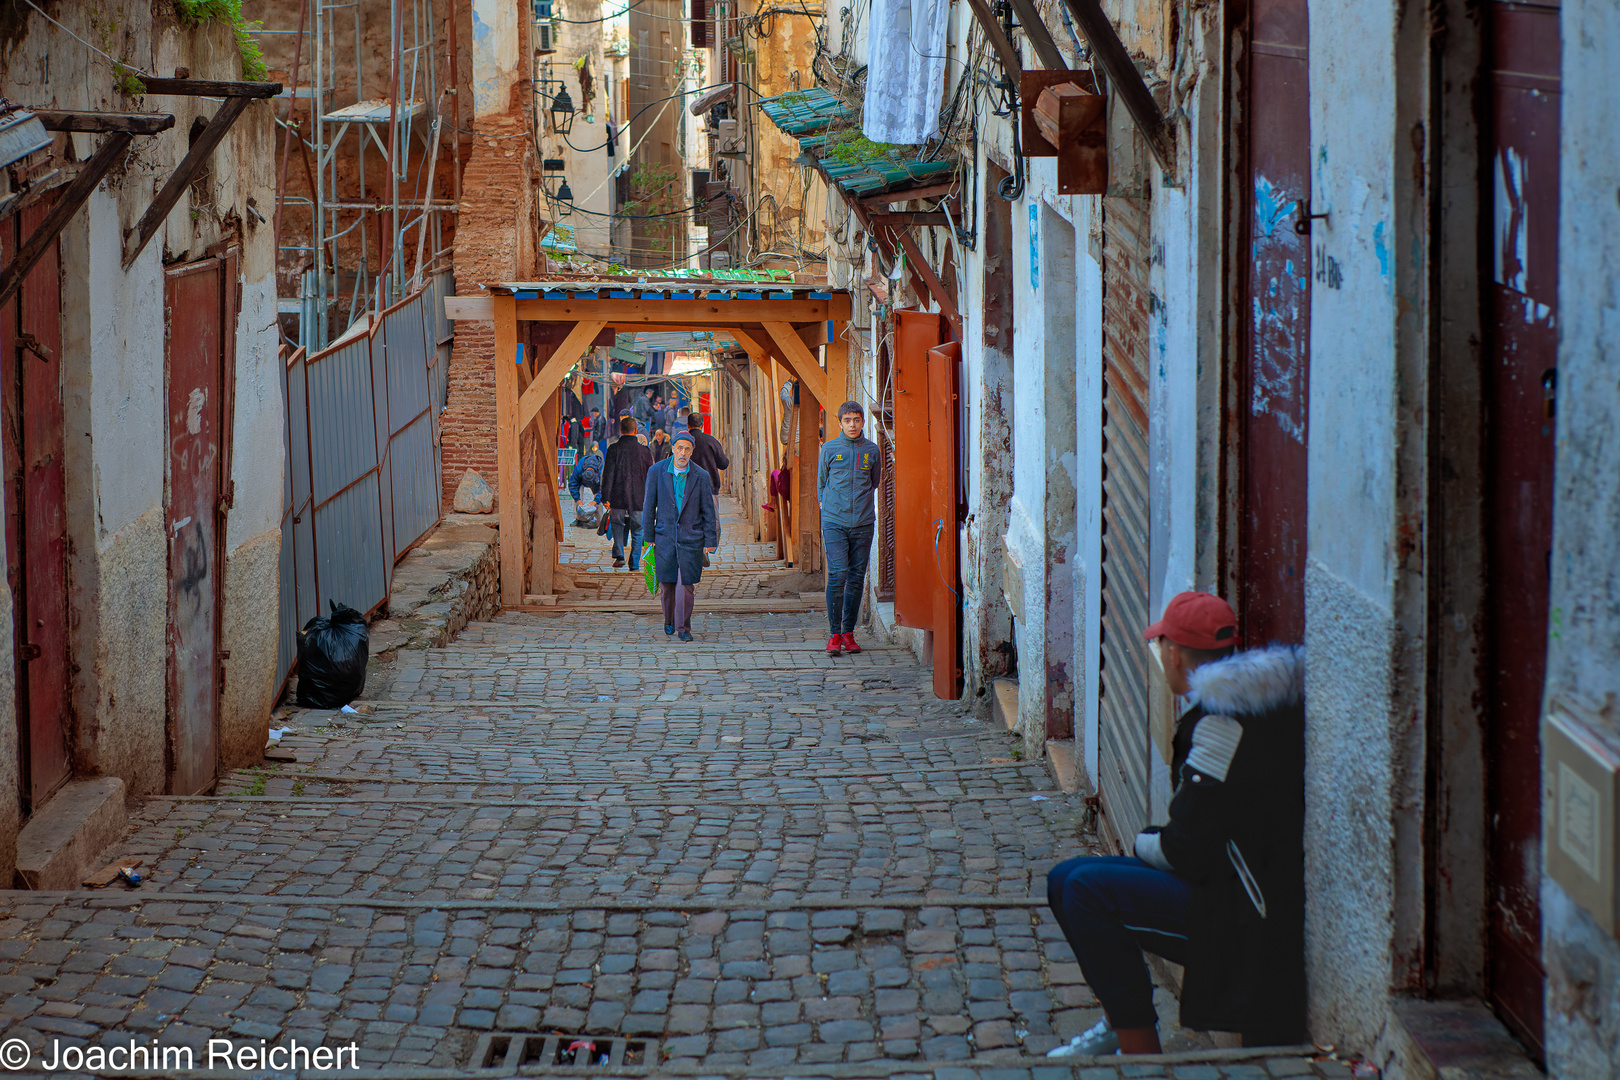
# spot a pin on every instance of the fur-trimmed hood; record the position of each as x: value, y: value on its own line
x: 1250, y: 683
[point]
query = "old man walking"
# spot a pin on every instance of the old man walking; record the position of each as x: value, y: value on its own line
x: 682, y: 522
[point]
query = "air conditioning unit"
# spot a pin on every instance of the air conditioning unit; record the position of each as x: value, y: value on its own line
x: 543, y: 40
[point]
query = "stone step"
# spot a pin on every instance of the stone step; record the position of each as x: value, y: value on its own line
x: 1061, y: 763
x: 1004, y: 702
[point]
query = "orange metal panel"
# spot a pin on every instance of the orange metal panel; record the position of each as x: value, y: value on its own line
x: 915, y: 334
x: 944, y: 586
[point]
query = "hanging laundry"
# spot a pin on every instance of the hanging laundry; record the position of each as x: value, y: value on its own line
x: 905, y: 74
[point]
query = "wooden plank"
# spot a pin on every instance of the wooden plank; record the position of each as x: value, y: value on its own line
x: 134, y: 123
x: 1034, y: 28
x: 550, y: 421
x: 945, y: 587
x: 806, y: 506
x: 546, y: 531
x: 67, y: 204
x: 837, y: 371
x: 469, y: 308
x: 551, y: 375
x: 508, y: 467
x: 210, y: 88
x: 925, y: 191
x: 936, y: 287
x: 805, y: 365
x: 703, y: 312
x: 1109, y: 51
x: 184, y: 173
x: 998, y: 37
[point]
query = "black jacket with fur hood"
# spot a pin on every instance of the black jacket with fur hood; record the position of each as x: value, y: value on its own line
x: 1236, y: 835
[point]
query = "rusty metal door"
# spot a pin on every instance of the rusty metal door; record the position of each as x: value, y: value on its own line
x: 915, y: 334
x: 1123, y: 743
x: 35, y: 501
x: 1275, y: 306
x: 1521, y: 192
x: 195, y: 320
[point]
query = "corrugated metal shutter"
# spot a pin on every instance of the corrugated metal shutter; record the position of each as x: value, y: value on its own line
x: 1124, y: 745
x: 885, y: 581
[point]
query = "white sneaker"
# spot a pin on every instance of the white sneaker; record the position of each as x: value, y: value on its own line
x: 1097, y: 1041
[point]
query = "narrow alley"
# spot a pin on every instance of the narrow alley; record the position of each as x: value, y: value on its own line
x: 734, y: 856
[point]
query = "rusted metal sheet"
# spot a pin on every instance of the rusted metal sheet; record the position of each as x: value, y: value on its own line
x: 915, y: 333
x: 1521, y: 178
x: 196, y: 329
x: 1277, y: 296
x: 943, y: 362
x: 294, y: 500
x: 1123, y: 744
x: 35, y: 504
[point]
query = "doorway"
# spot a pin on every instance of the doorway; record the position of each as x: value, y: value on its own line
x: 1520, y: 200
x: 35, y: 502
x: 1274, y: 311
x: 200, y: 321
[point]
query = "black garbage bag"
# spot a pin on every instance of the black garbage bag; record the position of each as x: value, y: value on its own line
x: 332, y: 654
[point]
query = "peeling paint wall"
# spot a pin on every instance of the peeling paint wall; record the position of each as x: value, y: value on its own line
x: 1583, y: 662
x: 497, y: 29
x: 114, y: 375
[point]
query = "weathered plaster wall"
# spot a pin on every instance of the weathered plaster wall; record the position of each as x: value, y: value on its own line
x: 497, y: 27
x: 114, y: 370
x: 1583, y: 660
x: 1364, y: 794
x: 791, y: 215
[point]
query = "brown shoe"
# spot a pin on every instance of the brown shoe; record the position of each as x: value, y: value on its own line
x: 617, y: 563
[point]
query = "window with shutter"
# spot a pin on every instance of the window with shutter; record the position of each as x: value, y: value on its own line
x: 701, y: 36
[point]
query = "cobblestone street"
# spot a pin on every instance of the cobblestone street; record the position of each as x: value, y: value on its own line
x: 735, y: 857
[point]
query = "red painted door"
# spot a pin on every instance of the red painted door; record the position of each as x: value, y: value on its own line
x: 196, y: 355
x: 1277, y: 301
x: 35, y: 500
x: 916, y: 332
x: 1521, y: 178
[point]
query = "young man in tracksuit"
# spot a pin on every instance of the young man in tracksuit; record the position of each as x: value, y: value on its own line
x: 847, y: 473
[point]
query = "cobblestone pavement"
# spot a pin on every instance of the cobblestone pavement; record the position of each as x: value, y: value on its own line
x: 737, y: 857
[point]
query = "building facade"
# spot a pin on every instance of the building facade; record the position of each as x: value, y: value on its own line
x: 1287, y: 301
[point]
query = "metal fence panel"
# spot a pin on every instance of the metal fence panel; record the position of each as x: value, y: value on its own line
x: 362, y: 461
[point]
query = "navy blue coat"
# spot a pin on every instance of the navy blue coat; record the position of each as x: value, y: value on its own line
x: 679, y: 538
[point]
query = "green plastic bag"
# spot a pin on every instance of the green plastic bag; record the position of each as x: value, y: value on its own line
x: 648, y: 570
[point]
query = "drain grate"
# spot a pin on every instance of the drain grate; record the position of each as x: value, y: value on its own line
x: 561, y: 1051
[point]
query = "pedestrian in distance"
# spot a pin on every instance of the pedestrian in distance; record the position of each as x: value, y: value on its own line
x: 624, y: 489
x: 643, y: 410
x: 660, y: 446
x: 599, y: 427
x: 584, y: 482
x: 847, y: 473
x: 1219, y: 888
x: 680, y: 515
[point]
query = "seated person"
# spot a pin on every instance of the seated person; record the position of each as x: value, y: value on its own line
x: 1219, y: 888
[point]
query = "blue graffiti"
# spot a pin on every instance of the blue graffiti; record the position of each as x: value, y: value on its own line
x: 1381, y: 249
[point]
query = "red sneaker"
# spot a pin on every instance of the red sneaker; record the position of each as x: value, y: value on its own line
x: 835, y: 645
x: 850, y: 644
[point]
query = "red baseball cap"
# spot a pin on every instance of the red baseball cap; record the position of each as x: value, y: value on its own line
x: 1196, y: 620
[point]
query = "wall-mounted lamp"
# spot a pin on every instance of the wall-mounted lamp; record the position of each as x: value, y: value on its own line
x: 562, y: 112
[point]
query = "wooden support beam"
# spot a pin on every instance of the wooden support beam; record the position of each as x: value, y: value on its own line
x: 549, y: 377
x: 183, y: 174
x: 901, y: 219
x: 936, y: 287
x: 926, y: 191
x: 508, y: 468
x: 67, y: 204
x: 804, y: 362
x: 837, y: 370
x: 210, y: 88
x: 997, y: 38
x: 547, y: 528
x: 806, y: 507
x: 134, y: 123
x: 701, y: 312
x: 1034, y: 27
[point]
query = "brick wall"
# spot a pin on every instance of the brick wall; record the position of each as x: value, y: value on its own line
x: 493, y: 244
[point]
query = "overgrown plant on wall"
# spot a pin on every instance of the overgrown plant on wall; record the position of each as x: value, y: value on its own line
x: 194, y: 13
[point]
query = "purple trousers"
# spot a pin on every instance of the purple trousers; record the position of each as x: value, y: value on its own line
x: 677, y: 596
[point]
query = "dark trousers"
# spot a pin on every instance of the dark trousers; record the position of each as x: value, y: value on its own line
x: 627, y: 526
x: 1112, y: 908
x: 848, y: 547
x: 676, y: 597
